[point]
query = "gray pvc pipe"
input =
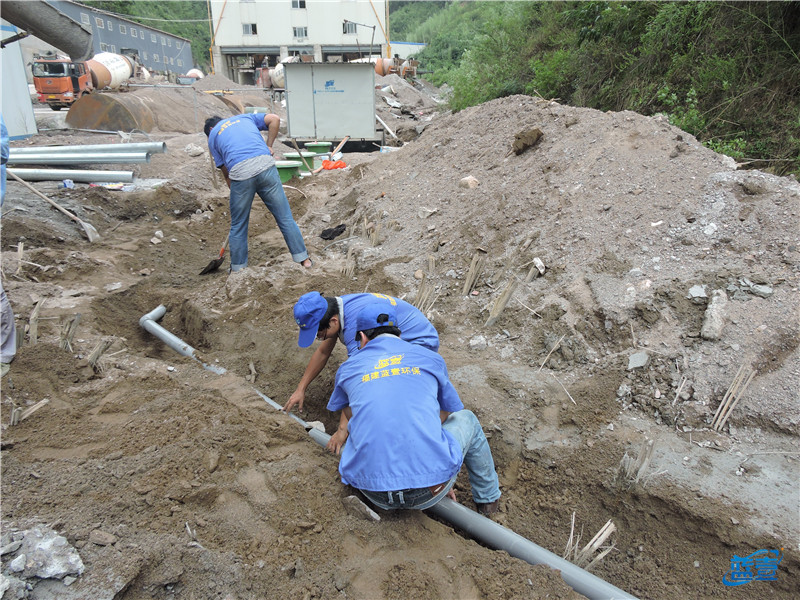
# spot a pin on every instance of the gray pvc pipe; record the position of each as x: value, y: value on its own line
x: 148, y: 322
x: 73, y: 174
x: 75, y: 158
x: 480, y: 527
x: 149, y: 147
x: 501, y: 538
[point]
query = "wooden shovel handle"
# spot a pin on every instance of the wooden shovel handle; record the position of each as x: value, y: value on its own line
x: 41, y: 195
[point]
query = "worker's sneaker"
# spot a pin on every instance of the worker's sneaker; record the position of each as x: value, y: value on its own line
x: 4, y: 368
x: 489, y: 508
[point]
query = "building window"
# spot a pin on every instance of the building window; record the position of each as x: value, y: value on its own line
x: 144, y: 55
x: 110, y: 26
x: 300, y: 32
x: 141, y: 33
x: 348, y: 27
x: 155, y: 57
x: 133, y: 32
x: 153, y: 37
x: 298, y: 4
x: 163, y: 40
x: 103, y: 47
x: 171, y: 61
x: 100, y: 23
x: 180, y: 62
x: 249, y: 29
x: 85, y: 19
x: 113, y: 48
x: 123, y: 29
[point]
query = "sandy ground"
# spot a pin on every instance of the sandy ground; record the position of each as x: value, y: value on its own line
x: 172, y: 481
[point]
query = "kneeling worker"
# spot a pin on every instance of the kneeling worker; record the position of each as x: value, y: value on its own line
x: 331, y: 319
x: 406, y: 430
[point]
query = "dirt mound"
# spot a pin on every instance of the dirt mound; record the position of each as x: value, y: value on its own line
x: 207, y: 491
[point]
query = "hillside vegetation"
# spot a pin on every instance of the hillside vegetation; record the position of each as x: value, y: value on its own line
x: 726, y: 72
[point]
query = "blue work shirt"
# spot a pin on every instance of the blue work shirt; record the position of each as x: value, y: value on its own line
x: 395, y: 390
x: 236, y: 139
x: 413, y: 325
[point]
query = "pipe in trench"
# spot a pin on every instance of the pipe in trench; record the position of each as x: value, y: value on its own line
x: 74, y: 175
x: 76, y: 158
x: 149, y: 147
x: 481, y: 528
x: 148, y: 322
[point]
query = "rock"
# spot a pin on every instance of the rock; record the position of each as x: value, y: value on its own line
x: 762, y: 291
x: 418, y: 274
x: 469, y: 182
x: 697, y: 294
x: 159, y: 234
x: 10, y: 547
x: 317, y: 425
x: 526, y: 139
x: 193, y: 150
x: 478, y: 343
x: 424, y: 212
x: 49, y: 555
x: 18, y: 564
x: 539, y: 265
x: 638, y: 360
x: 155, y: 241
x: 358, y: 509
x: 102, y: 538
x: 715, y: 316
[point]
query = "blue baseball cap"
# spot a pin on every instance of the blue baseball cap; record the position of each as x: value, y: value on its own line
x: 378, y: 314
x: 308, y: 312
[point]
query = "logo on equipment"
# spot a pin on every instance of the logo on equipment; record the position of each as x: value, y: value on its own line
x: 761, y: 565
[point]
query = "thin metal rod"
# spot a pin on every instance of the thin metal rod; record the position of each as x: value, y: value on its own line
x: 74, y: 175
x: 75, y: 158
x: 149, y: 147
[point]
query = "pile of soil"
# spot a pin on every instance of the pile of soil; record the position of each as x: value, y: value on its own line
x: 174, y: 481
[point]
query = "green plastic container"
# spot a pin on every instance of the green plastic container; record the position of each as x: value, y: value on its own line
x: 295, y: 157
x: 318, y: 146
x: 287, y: 169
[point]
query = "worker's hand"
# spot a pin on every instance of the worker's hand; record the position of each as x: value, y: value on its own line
x: 337, y: 441
x: 295, y: 399
x: 452, y: 494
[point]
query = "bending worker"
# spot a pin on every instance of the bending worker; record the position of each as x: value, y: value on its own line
x: 239, y: 150
x: 332, y: 319
x: 403, y: 432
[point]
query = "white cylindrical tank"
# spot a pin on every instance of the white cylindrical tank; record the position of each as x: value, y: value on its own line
x: 195, y: 73
x: 110, y: 70
x: 278, y: 76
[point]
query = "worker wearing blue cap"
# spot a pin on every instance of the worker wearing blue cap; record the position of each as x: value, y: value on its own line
x: 403, y: 433
x: 332, y: 319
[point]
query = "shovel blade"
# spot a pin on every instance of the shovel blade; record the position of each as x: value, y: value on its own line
x: 212, y: 266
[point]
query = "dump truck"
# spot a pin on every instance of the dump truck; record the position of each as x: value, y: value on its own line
x: 60, y: 81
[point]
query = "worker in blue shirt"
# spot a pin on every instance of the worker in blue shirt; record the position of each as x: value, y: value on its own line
x: 403, y: 433
x: 332, y: 319
x: 246, y: 161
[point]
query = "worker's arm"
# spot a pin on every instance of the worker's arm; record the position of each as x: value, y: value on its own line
x: 273, y: 123
x: 318, y: 361
x: 443, y: 414
x: 340, y: 436
x: 224, y: 170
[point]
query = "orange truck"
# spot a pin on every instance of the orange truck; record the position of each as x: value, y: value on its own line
x: 60, y: 81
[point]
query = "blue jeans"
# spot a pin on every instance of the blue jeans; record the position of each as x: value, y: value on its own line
x: 267, y: 185
x: 466, y: 429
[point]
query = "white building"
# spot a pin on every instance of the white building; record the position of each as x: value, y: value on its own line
x: 257, y: 33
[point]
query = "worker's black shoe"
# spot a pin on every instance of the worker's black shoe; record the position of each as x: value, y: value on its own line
x: 489, y: 508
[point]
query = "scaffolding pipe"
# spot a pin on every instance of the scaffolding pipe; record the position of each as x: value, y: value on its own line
x: 75, y: 158
x: 148, y: 322
x: 74, y: 175
x: 149, y: 147
x: 481, y: 528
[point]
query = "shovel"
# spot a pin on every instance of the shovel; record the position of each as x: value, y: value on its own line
x: 214, y: 264
x: 90, y: 231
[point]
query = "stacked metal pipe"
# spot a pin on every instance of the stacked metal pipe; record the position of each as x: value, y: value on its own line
x: 81, y: 155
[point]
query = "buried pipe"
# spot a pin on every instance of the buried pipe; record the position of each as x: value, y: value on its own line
x: 74, y: 175
x: 149, y: 147
x: 76, y: 158
x: 481, y: 528
x: 501, y: 538
x: 148, y: 322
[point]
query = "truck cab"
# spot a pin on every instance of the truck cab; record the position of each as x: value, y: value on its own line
x: 60, y: 81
